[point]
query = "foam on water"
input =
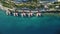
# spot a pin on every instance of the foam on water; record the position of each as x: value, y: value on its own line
x: 24, y: 25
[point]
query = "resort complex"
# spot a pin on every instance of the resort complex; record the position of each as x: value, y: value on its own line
x: 29, y: 7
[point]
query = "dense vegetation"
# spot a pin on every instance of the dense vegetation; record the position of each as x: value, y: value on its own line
x: 29, y: 4
x: 7, y: 4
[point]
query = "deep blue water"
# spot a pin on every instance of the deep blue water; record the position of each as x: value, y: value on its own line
x: 33, y: 25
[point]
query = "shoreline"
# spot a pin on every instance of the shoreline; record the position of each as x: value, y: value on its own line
x: 48, y: 13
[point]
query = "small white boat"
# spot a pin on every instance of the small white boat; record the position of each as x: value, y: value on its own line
x: 23, y: 14
x: 38, y: 14
x: 8, y: 12
x: 30, y: 14
x: 15, y: 14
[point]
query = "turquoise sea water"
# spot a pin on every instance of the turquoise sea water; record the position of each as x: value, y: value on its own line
x: 33, y: 25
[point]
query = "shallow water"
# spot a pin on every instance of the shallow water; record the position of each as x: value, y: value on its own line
x: 32, y: 25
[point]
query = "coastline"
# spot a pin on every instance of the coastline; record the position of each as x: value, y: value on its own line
x: 47, y: 13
